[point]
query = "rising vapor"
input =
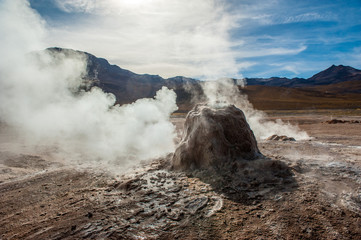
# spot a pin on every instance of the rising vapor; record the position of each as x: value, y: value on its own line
x: 41, y: 99
x: 223, y: 92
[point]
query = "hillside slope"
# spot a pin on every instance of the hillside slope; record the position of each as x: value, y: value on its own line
x: 334, y: 88
x: 128, y: 86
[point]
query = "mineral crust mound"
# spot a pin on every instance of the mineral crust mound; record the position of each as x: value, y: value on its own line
x: 213, y: 137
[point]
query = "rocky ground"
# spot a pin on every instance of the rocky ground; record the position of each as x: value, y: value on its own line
x: 299, y: 190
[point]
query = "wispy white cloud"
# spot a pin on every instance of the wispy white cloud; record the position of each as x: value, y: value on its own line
x: 290, y: 68
x: 298, y: 18
x: 270, y: 52
x: 306, y: 17
x: 76, y: 5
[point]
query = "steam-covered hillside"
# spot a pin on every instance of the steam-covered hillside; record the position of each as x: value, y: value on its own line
x: 128, y: 86
x: 335, y: 87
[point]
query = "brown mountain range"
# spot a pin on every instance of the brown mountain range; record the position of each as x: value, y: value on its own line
x: 338, y: 87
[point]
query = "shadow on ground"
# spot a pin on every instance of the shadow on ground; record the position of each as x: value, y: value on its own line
x: 249, y: 181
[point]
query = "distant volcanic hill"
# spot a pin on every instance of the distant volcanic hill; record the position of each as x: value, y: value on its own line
x: 335, y: 74
x: 335, y: 87
x: 332, y: 75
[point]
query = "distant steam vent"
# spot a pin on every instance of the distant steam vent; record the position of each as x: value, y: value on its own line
x: 213, y: 137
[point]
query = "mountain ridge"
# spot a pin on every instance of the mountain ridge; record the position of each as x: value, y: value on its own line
x: 332, y: 75
x: 328, y: 85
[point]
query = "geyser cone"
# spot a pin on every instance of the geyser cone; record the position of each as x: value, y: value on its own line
x: 213, y: 137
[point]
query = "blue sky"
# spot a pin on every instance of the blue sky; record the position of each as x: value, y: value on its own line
x: 210, y: 38
x: 324, y: 32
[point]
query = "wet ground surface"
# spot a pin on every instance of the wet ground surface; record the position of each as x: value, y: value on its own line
x: 300, y: 190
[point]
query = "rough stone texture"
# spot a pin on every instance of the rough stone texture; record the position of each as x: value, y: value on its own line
x: 280, y: 138
x: 213, y: 137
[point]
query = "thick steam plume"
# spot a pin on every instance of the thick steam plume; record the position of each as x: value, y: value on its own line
x: 40, y: 98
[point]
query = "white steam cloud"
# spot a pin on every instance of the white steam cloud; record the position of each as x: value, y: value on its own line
x: 40, y: 98
x: 225, y: 91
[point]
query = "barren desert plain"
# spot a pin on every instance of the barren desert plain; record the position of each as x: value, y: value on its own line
x: 313, y: 191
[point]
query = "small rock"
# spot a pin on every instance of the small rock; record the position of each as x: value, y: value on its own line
x: 197, y: 204
x: 280, y: 138
x: 175, y: 215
